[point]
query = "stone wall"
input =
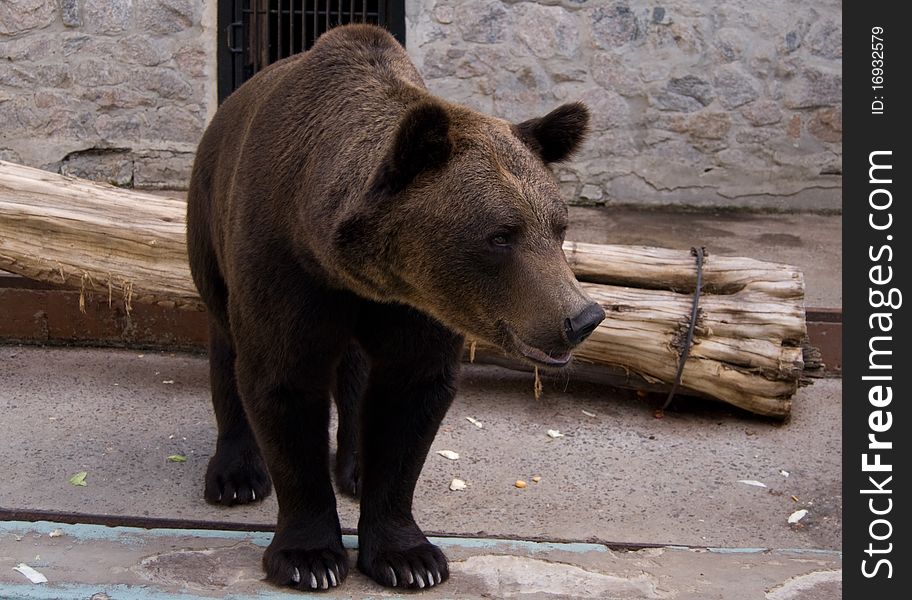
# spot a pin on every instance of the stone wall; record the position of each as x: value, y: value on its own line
x: 113, y: 90
x: 731, y: 103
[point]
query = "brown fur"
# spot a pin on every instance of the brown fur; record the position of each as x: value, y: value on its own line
x: 340, y: 219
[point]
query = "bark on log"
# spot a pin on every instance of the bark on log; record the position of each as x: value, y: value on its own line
x: 747, y: 347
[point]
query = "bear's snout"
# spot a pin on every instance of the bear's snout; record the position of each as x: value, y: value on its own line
x: 578, y: 328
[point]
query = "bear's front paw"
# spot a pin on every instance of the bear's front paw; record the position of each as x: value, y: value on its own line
x: 237, y: 475
x: 418, y: 567
x: 319, y: 569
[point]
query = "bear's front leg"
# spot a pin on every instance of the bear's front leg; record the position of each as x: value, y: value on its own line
x: 286, y: 360
x: 415, y: 361
x: 291, y: 425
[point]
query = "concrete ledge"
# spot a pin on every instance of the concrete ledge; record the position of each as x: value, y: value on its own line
x: 124, y: 563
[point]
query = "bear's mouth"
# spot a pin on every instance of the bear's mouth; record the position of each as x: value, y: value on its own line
x: 536, y: 355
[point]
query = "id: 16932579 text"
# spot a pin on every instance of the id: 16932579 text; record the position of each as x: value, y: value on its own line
x: 877, y: 70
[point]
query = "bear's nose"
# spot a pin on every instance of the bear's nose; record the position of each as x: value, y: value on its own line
x: 579, y: 327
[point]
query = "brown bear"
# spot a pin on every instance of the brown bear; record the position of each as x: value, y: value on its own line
x: 346, y: 229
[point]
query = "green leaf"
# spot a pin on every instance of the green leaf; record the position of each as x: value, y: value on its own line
x: 79, y: 479
x: 177, y: 458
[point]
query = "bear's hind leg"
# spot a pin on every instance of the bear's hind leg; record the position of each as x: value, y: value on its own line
x: 414, y: 362
x: 236, y: 473
x: 351, y: 379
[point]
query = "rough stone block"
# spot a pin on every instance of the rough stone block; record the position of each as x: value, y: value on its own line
x: 591, y: 193
x: 693, y: 87
x: 19, y: 16
x: 174, y: 123
x: 162, y: 170
x: 69, y: 13
x: 192, y: 59
x: 166, y: 16
x: 107, y: 16
x: 15, y: 76
x: 31, y: 76
x: 97, y: 71
x: 144, y: 50
x: 734, y: 87
x: 163, y: 82
x: 729, y: 44
x: 548, y: 30
x: 757, y: 135
x: 817, y: 86
x: 826, y: 124
x: 612, y: 73
x: 707, y: 124
x: 613, y: 26
x: 114, y: 166
x: 825, y: 39
x: 118, y: 129
x: 608, y: 109
x: 32, y: 47
x: 762, y: 112
x: 442, y: 62
x: 485, y: 60
x: 71, y: 43
x: 665, y: 100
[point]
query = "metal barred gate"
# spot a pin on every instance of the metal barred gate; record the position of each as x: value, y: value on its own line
x: 255, y: 33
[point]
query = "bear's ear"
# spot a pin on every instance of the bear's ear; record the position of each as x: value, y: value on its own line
x: 422, y: 142
x: 558, y: 134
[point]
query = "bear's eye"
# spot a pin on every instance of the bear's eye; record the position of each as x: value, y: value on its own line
x: 502, y: 240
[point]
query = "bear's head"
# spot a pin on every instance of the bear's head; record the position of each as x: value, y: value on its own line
x: 463, y: 220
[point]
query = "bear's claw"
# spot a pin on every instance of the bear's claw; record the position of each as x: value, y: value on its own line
x: 236, y: 477
x: 307, y: 569
x: 416, y: 568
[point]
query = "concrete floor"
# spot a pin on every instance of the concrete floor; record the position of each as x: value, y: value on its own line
x: 619, y: 477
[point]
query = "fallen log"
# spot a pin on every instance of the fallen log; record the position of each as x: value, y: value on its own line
x: 749, y: 343
x: 94, y: 237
